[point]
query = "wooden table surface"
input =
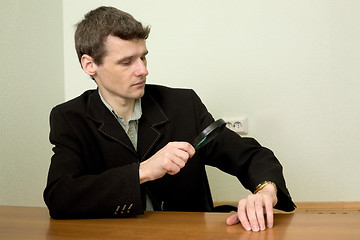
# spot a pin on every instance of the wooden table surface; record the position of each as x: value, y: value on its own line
x: 35, y: 223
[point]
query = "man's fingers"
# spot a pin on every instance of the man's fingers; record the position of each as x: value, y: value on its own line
x: 242, y: 214
x: 251, y: 213
x: 173, y: 162
x: 232, y: 220
x: 174, y: 169
x: 260, y: 214
x: 184, y: 146
x: 170, y: 159
x: 269, y: 214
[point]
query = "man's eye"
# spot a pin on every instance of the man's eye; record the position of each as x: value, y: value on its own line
x: 127, y: 63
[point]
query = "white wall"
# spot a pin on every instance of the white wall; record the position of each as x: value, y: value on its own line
x: 291, y: 67
x: 32, y: 81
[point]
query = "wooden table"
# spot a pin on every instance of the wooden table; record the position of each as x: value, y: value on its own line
x: 35, y: 223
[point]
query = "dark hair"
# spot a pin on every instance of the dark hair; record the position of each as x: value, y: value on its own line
x: 98, y: 24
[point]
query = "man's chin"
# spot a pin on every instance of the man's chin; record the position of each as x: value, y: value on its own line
x: 140, y: 93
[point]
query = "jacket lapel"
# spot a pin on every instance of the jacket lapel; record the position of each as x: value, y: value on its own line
x: 107, y: 124
x: 148, y: 135
x: 152, y: 117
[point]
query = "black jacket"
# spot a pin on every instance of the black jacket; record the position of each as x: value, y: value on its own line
x: 94, y: 172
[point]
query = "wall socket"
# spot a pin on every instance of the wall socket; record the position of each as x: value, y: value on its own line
x: 238, y: 125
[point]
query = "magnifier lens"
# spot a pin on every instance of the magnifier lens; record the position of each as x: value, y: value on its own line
x: 209, y: 133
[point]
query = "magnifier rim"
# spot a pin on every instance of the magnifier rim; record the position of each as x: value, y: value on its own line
x: 209, y: 129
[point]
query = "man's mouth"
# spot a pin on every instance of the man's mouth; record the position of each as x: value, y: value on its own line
x: 139, y: 84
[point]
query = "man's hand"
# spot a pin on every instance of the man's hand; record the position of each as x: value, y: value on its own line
x: 251, y: 210
x: 170, y: 159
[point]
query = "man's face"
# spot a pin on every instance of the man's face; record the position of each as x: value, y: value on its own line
x: 122, y: 74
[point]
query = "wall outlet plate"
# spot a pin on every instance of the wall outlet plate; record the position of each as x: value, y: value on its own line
x: 238, y: 125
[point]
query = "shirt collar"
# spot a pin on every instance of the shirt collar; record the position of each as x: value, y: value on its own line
x: 134, y: 116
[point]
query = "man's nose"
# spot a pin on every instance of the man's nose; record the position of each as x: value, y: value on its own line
x: 141, y: 69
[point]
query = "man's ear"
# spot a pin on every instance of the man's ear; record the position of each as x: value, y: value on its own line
x: 88, y: 64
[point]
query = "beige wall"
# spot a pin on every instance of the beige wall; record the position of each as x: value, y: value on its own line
x: 291, y: 67
x: 32, y: 81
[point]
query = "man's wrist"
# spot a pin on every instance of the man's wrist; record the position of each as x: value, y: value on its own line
x: 264, y: 185
x: 142, y: 174
x: 269, y: 188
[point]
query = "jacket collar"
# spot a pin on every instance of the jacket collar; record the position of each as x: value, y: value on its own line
x: 148, y: 134
x: 152, y: 117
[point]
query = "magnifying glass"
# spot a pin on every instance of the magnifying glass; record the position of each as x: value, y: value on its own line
x: 209, y: 133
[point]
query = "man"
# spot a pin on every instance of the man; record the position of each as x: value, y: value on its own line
x: 125, y: 147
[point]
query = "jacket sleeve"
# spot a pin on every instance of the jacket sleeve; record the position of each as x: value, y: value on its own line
x: 242, y: 157
x: 75, y: 191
